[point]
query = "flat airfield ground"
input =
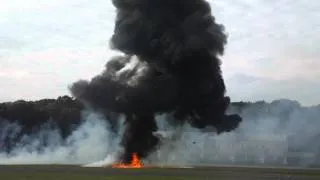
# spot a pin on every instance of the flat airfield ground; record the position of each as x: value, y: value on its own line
x: 65, y: 172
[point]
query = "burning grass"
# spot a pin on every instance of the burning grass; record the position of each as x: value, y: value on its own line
x: 135, y: 163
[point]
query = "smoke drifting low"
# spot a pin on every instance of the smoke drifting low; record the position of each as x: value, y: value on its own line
x: 277, y: 133
x: 171, y: 66
x: 48, y: 146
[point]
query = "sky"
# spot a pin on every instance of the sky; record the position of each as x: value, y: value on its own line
x: 272, y: 53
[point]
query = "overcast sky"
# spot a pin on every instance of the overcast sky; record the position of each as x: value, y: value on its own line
x: 273, y: 50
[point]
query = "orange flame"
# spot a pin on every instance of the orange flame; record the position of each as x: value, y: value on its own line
x: 135, y: 163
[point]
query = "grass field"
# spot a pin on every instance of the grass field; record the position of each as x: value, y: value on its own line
x: 55, y: 172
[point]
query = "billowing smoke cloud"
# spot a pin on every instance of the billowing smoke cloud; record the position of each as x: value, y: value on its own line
x: 171, y: 65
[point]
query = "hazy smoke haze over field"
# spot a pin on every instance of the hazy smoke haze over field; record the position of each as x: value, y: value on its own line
x: 264, y: 134
x: 90, y: 142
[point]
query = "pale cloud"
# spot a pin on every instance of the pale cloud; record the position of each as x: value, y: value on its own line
x: 248, y: 88
x: 47, y: 45
x: 13, y: 73
x: 272, y: 53
x: 48, y: 73
x: 273, y: 49
x: 294, y: 63
x: 16, y: 6
x: 83, y: 63
x: 274, y: 36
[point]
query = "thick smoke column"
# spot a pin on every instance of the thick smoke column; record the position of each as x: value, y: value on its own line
x: 170, y: 65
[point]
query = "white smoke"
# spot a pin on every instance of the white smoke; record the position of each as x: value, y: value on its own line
x: 263, y: 138
x: 247, y: 145
x: 280, y: 133
x: 90, y: 142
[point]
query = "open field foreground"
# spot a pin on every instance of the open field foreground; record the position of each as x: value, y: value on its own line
x: 61, y: 172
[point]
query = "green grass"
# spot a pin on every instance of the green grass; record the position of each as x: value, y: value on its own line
x: 58, y: 172
x: 66, y: 176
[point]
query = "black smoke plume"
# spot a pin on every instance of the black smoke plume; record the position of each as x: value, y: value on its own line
x: 171, y: 65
